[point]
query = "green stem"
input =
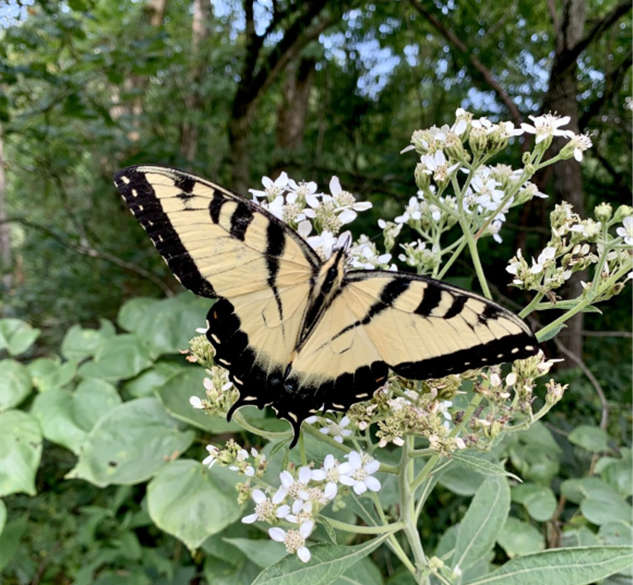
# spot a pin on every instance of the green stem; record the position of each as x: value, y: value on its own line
x: 474, y: 253
x: 545, y: 331
x: 395, y: 527
x: 452, y: 259
x: 532, y: 305
x: 271, y: 436
x: 407, y: 510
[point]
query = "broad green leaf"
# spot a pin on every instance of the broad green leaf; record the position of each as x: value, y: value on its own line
x: 66, y: 417
x: 446, y: 545
x: 17, y: 336
x: 131, y: 313
x: 175, y: 394
x: 130, y: 443
x: 617, y: 473
x: 591, y: 438
x: 216, y: 545
x: 365, y: 572
x: 118, y: 358
x: 538, y: 434
x: 480, y: 465
x: 461, y: 481
x: 579, y: 537
x: 601, y: 511
x: 93, y: 398
x: 519, y: 538
x: 539, y: 501
x: 168, y: 326
x: 146, y: 383
x: 542, y: 337
x: 571, y: 566
x: 15, y: 384
x: 482, y: 522
x: 21, y: 440
x: 576, y: 490
x: 49, y: 373
x: 3, y: 516
x: 617, y: 533
x: 221, y: 572
x: 192, y: 502
x: 535, y: 463
x: 79, y: 343
x: 10, y: 539
x: 328, y: 562
x: 262, y: 552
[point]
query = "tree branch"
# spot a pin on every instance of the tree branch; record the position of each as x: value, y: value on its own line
x: 614, y: 81
x: 93, y: 253
x: 570, y: 56
x: 483, y: 72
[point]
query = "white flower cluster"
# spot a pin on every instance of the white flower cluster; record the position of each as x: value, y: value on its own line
x: 304, y: 492
x: 306, y: 210
x: 486, y: 194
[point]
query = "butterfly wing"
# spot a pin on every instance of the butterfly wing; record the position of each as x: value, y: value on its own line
x: 219, y: 244
x: 418, y: 327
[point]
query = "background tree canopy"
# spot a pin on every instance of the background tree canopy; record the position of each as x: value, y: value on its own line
x: 235, y: 90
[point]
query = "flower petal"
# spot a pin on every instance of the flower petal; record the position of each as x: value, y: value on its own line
x: 303, y: 553
x: 258, y: 496
x: 372, y: 484
x: 277, y: 534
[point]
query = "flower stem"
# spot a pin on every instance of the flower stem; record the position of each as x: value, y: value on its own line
x: 532, y: 305
x: 474, y: 253
x: 452, y: 259
x: 388, y: 528
x: 270, y: 435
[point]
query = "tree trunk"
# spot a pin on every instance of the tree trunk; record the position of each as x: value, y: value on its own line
x: 293, y: 111
x: 5, y: 235
x: 561, y: 98
x: 193, y: 100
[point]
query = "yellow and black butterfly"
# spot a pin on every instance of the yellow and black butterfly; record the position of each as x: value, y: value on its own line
x: 297, y: 333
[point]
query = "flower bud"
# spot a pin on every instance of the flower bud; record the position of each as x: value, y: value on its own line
x: 603, y: 212
x: 422, y: 179
x: 622, y: 212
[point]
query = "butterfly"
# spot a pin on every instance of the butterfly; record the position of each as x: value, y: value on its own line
x: 297, y: 333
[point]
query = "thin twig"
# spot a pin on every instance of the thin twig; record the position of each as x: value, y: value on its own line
x: 604, y: 419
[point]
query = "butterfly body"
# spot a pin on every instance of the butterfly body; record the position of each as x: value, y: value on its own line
x: 297, y: 333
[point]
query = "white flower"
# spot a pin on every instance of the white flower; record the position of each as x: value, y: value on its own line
x: 294, y: 539
x: 336, y: 429
x: 332, y: 474
x: 196, y: 402
x: 301, y: 512
x: 346, y: 205
x: 547, y: 126
x: 323, y: 244
x: 297, y: 488
x: 212, y: 457
x: 488, y: 196
x: 580, y: 143
x: 494, y: 229
x: 626, y: 231
x: 358, y: 472
x: 436, y: 165
x: 272, y: 188
x: 544, y: 257
x: 303, y: 191
x: 265, y: 508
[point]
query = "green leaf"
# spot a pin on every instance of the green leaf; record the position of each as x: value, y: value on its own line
x: 571, y: 566
x: 566, y: 306
x: 542, y: 337
x: 221, y: 572
x: 539, y: 501
x: 480, y: 465
x: 118, y: 358
x: 460, y: 480
x: 591, y: 438
x: 599, y: 510
x: 10, y: 539
x: 617, y: 472
x: 21, y: 440
x: 175, y: 394
x: 519, y: 538
x: 131, y: 313
x: 328, y: 562
x: 129, y: 444
x: 576, y: 490
x: 191, y: 502
x: 146, y: 383
x: 579, y: 537
x: 17, y: 336
x: 616, y: 533
x: 66, y: 417
x: 168, y: 326
x: 3, y: 516
x: 364, y: 572
x: 79, y: 344
x: 49, y: 373
x: 15, y: 384
x: 482, y: 522
x: 261, y: 552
